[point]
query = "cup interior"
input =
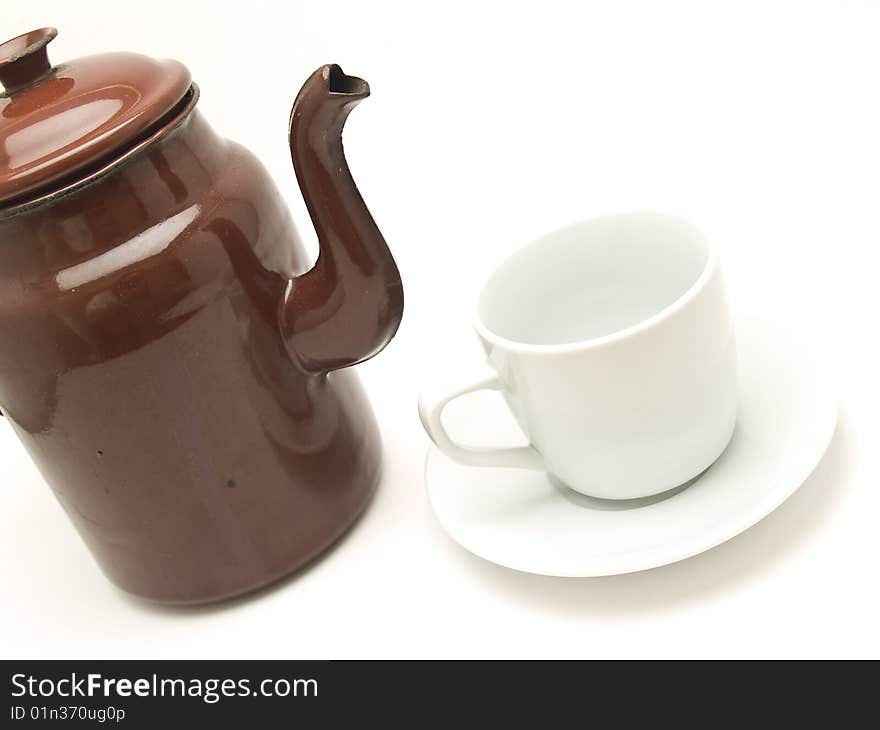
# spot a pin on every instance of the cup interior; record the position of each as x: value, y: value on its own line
x: 593, y: 278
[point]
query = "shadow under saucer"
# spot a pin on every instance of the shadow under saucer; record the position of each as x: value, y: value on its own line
x: 727, y: 567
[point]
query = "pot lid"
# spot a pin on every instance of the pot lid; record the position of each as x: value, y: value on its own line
x: 58, y: 121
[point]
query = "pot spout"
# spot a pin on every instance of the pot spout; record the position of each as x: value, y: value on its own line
x: 348, y: 306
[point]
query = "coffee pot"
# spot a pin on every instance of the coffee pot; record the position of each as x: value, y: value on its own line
x: 176, y: 368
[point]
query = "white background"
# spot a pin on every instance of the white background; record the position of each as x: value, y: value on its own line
x: 488, y: 125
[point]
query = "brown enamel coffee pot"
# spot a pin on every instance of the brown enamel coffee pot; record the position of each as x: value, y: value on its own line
x: 175, y: 368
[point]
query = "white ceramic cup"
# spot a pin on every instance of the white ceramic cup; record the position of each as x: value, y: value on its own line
x: 612, y: 343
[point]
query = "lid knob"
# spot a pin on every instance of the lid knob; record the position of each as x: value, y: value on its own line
x: 24, y: 60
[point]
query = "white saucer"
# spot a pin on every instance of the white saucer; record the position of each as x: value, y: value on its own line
x: 519, y: 519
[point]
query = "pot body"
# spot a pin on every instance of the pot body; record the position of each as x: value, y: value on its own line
x: 142, y: 367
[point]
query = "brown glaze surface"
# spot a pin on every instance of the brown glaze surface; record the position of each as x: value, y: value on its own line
x: 169, y: 372
x: 57, y: 121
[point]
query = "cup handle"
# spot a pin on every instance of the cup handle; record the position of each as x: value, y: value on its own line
x: 431, y: 405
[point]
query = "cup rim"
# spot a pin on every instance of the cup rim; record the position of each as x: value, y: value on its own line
x: 611, y: 338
